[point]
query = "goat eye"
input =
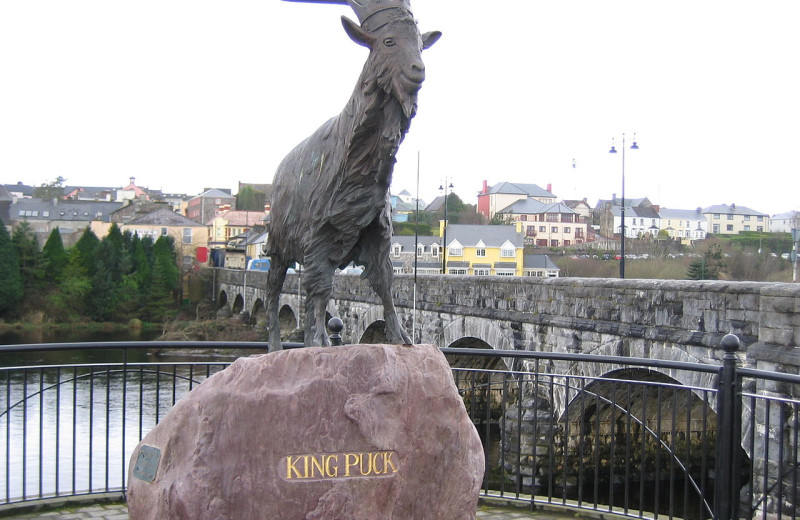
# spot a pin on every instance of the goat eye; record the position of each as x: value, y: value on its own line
x: 389, y: 42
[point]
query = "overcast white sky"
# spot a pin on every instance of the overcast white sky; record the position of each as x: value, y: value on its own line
x: 187, y: 94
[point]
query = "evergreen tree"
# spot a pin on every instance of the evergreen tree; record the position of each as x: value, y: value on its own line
x: 163, y: 280
x: 11, y: 288
x: 26, y: 247
x: 85, y: 252
x: 55, y: 257
x: 707, y: 267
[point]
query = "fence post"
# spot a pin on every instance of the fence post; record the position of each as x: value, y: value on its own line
x: 729, y: 434
x: 335, y: 325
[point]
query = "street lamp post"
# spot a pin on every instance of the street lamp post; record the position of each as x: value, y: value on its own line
x: 634, y: 146
x: 445, y: 188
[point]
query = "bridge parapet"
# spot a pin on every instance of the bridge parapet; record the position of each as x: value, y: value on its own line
x: 682, y: 320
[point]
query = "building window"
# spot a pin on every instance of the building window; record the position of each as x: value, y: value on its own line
x: 715, y: 228
x: 523, y: 218
x: 551, y: 217
x: 455, y: 251
x: 747, y: 218
x: 481, y: 272
x: 567, y: 217
x: 420, y: 250
x: 566, y: 243
x: 747, y: 228
x: 187, y: 235
x: 567, y: 229
x: 542, y: 229
x: 435, y: 250
x: 730, y: 217
x: 760, y: 218
x: 480, y: 252
x: 457, y: 271
x: 163, y: 231
x: 729, y: 227
x: 554, y: 229
x: 504, y: 272
x: 716, y: 216
x: 396, y: 250
x: 554, y: 243
x: 507, y: 253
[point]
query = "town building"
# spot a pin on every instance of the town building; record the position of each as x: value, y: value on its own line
x: 547, y: 224
x: 502, y: 195
x: 71, y: 217
x: 483, y: 250
x: 231, y: 223
x: 539, y: 266
x: 208, y: 204
x: 732, y: 220
x: 190, y: 237
x: 424, y: 252
x: 785, y: 222
x: 683, y: 225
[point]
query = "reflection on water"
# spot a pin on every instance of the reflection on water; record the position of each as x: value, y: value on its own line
x: 49, y: 335
x: 72, y: 430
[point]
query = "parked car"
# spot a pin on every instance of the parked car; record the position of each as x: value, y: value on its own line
x: 258, y: 264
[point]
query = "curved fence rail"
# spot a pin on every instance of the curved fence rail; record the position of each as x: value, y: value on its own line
x: 635, y: 437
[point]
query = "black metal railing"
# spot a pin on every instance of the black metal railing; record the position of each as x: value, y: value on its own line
x: 636, y: 437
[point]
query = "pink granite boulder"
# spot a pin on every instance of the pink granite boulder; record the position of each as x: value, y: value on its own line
x: 361, y: 432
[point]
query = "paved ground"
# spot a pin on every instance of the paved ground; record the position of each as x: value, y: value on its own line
x: 120, y: 512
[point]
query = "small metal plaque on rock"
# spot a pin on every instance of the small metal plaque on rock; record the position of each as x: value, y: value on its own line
x: 147, y: 463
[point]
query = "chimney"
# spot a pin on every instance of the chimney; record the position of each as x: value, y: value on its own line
x: 133, y: 179
x: 485, y: 187
x: 549, y: 187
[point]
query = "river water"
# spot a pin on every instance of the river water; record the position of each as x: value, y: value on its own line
x: 66, y: 431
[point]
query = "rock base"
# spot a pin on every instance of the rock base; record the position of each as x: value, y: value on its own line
x: 360, y: 432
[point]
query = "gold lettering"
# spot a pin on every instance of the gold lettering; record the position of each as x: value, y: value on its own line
x: 316, y: 464
x: 373, y: 459
x: 319, y: 466
x: 332, y: 471
x: 361, y: 457
x: 348, y: 457
x: 291, y: 467
x: 387, y: 461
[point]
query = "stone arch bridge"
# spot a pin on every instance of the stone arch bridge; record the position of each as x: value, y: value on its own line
x: 661, y: 319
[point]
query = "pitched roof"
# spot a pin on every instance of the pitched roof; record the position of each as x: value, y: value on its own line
x: 163, y: 217
x: 68, y: 210
x: 687, y: 214
x: 215, y: 193
x: 538, y: 262
x: 492, y: 236
x: 533, y: 206
x: 515, y: 188
x: 407, y: 241
x: 732, y: 209
x: 242, y: 218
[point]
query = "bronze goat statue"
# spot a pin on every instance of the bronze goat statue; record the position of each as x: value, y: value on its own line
x: 330, y: 201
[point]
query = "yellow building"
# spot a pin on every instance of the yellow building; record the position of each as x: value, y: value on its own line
x: 232, y: 223
x: 482, y: 250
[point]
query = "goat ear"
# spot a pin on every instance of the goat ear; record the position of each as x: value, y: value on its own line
x: 429, y: 38
x: 356, y: 33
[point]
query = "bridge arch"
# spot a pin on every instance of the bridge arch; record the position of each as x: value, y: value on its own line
x: 485, y: 330
x: 649, y: 349
x: 238, y: 304
x: 258, y: 313
x: 222, y: 299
